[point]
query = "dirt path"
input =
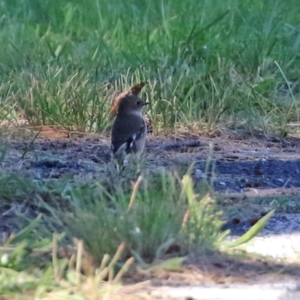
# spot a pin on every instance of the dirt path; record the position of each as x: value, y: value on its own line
x: 250, y: 175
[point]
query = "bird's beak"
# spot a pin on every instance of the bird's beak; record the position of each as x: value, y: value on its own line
x: 146, y: 103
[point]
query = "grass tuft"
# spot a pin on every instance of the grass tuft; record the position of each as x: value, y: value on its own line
x: 145, y: 220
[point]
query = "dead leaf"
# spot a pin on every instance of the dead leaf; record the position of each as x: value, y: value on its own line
x: 135, y: 90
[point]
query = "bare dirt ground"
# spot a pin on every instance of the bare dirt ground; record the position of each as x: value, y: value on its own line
x: 251, y: 175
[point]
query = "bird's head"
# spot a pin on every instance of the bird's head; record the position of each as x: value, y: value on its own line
x: 131, y: 103
x: 135, y: 90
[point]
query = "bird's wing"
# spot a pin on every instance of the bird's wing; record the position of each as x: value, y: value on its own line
x: 124, y: 138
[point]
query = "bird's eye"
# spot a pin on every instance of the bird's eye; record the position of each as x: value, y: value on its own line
x: 138, y: 103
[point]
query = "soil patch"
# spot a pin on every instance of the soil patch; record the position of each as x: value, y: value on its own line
x: 250, y: 174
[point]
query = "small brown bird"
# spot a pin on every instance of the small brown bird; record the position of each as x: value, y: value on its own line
x: 135, y: 90
x: 129, y: 129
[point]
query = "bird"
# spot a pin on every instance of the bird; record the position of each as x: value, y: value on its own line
x: 129, y: 129
x: 135, y: 90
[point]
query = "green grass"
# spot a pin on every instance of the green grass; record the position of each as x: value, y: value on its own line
x: 216, y: 63
x: 156, y: 228
x: 145, y: 222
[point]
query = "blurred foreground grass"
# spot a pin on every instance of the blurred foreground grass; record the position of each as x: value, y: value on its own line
x: 149, y: 231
